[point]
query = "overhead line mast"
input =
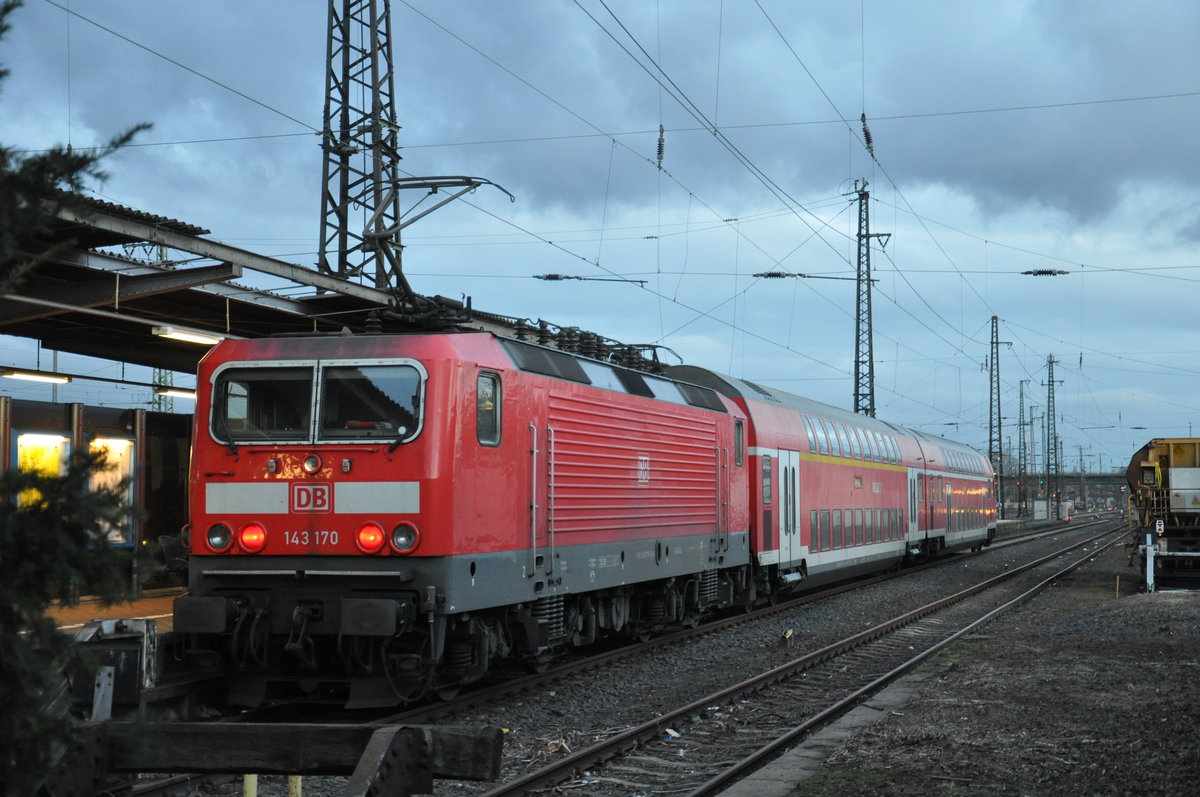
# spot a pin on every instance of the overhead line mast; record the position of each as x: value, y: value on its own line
x: 864, y: 345
x: 361, y: 170
x: 995, y: 435
x: 1053, y: 452
x: 360, y: 142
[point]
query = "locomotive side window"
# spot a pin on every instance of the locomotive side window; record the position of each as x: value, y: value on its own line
x: 487, y: 409
x: 262, y: 404
x: 380, y: 402
x: 664, y: 390
x: 766, y: 478
x: 739, y: 442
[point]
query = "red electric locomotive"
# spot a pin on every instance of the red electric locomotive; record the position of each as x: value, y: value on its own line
x: 376, y: 518
x: 390, y: 513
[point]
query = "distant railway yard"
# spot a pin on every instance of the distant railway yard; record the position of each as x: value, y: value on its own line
x: 820, y: 695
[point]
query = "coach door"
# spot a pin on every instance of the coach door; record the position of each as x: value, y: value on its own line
x: 789, y: 506
x: 916, y: 500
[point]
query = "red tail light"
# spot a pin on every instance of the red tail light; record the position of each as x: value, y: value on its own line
x: 252, y: 538
x: 370, y: 538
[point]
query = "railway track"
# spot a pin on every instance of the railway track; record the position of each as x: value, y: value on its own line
x: 702, y: 747
x: 517, y: 684
x: 443, y: 712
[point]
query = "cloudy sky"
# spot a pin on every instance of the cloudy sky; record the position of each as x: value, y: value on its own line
x: 1008, y: 136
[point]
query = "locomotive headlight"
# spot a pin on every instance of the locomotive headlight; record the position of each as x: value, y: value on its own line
x: 311, y: 464
x: 405, y: 538
x: 219, y: 537
x: 253, y: 538
x: 369, y: 538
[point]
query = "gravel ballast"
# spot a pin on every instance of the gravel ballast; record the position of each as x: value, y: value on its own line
x: 1091, y: 688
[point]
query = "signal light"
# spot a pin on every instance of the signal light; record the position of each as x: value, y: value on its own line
x: 405, y: 538
x: 370, y: 538
x: 253, y: 538
x: 219, y: 537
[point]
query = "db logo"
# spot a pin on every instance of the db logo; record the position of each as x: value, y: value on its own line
x: 312, y: 498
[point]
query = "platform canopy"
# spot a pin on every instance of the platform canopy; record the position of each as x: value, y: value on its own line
x: 118, y: 279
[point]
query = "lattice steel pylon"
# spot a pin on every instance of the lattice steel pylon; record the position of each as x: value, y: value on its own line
x: 864, y: 345
x: 1053, y: 471
x: 1022, y: 459
x: 360, y: 142
x: 361, y: 171
x: 995, y: 435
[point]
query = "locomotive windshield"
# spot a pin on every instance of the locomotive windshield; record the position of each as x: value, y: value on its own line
x: 381, y: 402
x: 263, y: 404
x: 355, y: 402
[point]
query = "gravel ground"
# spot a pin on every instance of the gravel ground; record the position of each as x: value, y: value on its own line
x: 1060, y: 698
x: 573, y: 714
x: 1088, y: 689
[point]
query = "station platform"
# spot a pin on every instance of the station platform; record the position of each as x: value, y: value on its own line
x: 153, y: 605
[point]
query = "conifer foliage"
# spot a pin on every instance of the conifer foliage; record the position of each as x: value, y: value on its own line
x: 53, y: 543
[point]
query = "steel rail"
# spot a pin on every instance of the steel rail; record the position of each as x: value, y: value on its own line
x: 772, y: 750
x: 631, y: 738
x: 434, y: 712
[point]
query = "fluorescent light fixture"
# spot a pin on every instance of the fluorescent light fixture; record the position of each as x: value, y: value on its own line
x: 111, y: 442
x: 188, y: 335
x: 175, y: 392
x: 35, y: 376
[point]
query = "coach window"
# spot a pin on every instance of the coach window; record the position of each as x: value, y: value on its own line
x: 859, y: 532
x: 487, y: 409
x: 766, y: 478
x: 739, y: 441
x: 844, y: 439
x: 834, y: 448
x: 812, y: 437
x: 855, y: 442
x: 822, y: 440
x: 837, y: 528
x: 812, y: 530
x: 825, y: 544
